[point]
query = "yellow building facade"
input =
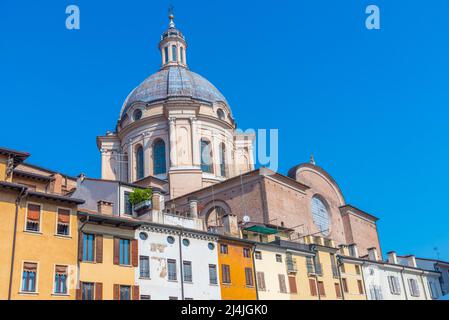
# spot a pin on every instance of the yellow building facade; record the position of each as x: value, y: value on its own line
x: 38, y: 234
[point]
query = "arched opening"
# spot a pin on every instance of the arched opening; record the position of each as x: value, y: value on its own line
x: 222, y: 160
x: 206, y: 156
x: 165, y: 54
x: 320, y: 214
x: 181, y: 50
x: 221, y: 114
x: 159, y: 163
x: 174, y: 53
x: 214, y: 217
x: 139, y: 163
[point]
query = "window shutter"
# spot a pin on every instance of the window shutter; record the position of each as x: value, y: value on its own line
x: 98, y: 291
x: 116, y: 251
x: 312, y: 285
x: 135, y: 292
x: 99, y: 248
x: 80, y: 246
x: 292, y: 284
x: 338, y: 290
x: 359, y: 283
x: 116, y: 291
x: 78, y: 293
x: 64, y: 216
x: 34, y: 212
x: 321, y: 288
x: 134, y: 253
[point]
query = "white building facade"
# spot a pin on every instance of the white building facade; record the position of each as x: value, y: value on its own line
x: 177, y: 264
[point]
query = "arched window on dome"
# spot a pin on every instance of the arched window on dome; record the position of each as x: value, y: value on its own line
x: 159, y: 164
x: 222, y: 160
x: 181, y: 53
x: 174, y: 53
x: 206, y: 156
x: 221, y: 114
x: 139, y: 163
x: 165, y: 54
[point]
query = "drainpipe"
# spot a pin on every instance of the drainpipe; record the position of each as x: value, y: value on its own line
x: 22, y: 194
x: 363, y: 280
x: 423, y: 286
x: 255, y: 273
x: 403, y: 283
x: 180, y: 266
x: 339, y: 264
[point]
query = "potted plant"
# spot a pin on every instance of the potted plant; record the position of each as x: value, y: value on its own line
x: 141, y: 199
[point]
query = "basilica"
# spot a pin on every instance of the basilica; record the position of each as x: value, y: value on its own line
x: 176, y: 132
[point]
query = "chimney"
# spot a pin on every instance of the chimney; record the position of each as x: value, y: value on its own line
x: 411, y: 261
x: 392, y: 257
x: 353, y: 250
x: 372, y: 254
x: 105, y: 207
x: 231, y: 225
x: 56, y: 184
x: 193, y: 205
x: 156, y: 199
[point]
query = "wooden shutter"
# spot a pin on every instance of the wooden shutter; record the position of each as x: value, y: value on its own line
x: 321, y: 290
x: 99, y: 248
x: 134, y: 253
x: 338, y: 290
x: 63, y: 216
x: 34, y: 212
x: 312, y: 285
x: 359, y: 283
x: 116, y: 251
x: 282, y: 285
x: 135, y: 293
x: 261, y: 281
x: 292, y: 284
x: 345, y: 285
x: 116, y: 291
x: 80, y: 246
x: 79, y: 295
x: 98, y: 291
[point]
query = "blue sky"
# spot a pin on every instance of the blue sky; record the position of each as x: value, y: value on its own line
x: 371, y: 105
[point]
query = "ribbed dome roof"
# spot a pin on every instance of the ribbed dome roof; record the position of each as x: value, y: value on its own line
x: 173, y: 81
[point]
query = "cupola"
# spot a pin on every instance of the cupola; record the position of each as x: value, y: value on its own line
x: 173, y: 46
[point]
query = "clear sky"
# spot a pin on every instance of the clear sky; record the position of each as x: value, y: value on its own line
x: 372, y: 105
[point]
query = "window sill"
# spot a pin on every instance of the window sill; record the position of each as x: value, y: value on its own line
x: 188, y: 282
x: 172, y: 280
x: 144, y: 278
x: 36, y: 233
x: 27, y: 293
x: 213, y: 284
x: 62, y: 236
x: 126, y: 265
x: 60, y: 295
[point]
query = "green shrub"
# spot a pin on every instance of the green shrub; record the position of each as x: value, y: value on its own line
x: 140, y: 195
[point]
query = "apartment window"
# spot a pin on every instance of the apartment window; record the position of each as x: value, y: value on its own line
x: 312, y: 286
x: 87, y: 291
x: 345, y: 285
x: 144, y: 266
x: 88, y: 247
x: 249, y: 277
x: 394, y: 285
x: 321, y: 290
x: 360, y: 285
x: 29, y: 276
x: 282, y: 285
x: 246, y: 252
x: 187, y: 271
x: 213, y: 274
x: 125, y: 293
x: 414, y: 289
x: 310, y: 265
x: 375, y: 292
x: 63, y: 228
x: 357, y: 269
x: 338, y: 290
x: 223, y: 248
x: 432, y: 289
x: 225, y: 273
x: 33, y: 217
x: 124, y: 251
x: 258, y: 255
x: 60, y: 280
x: 261, y: 281
x: 171, y: 270
x: 128, y: 204
x: 343, y: 268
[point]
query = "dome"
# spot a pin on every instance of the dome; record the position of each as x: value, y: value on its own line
x: 173, y: 82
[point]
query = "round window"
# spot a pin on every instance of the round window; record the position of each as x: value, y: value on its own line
x: 211, y: 246
x: 137, y: 115
x: 170, y: 239
x: 143, y: 236
x: 320, y: 215
x: 186, y: 242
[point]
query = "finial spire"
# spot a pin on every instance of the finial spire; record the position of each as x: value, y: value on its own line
x: 171, y: 16
x: 312, y: 159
